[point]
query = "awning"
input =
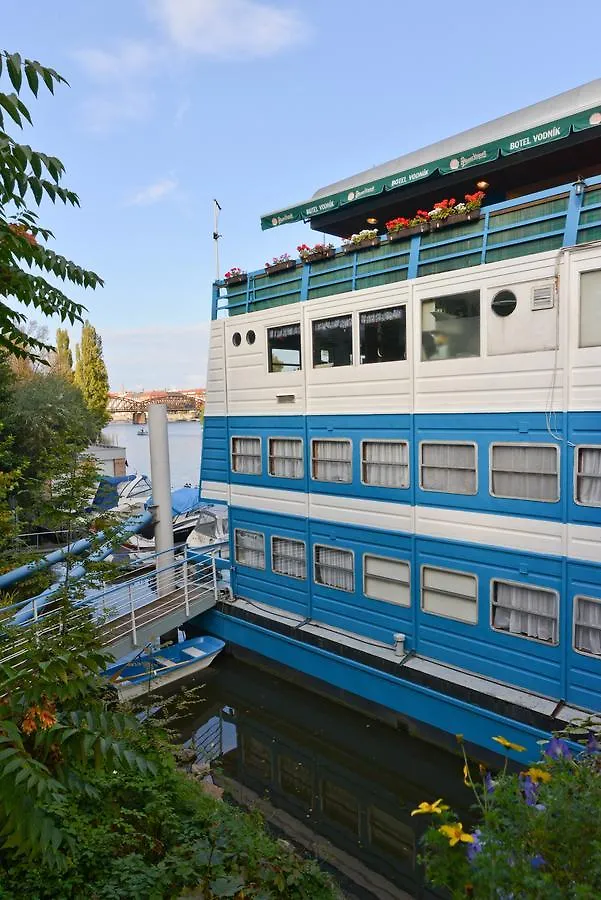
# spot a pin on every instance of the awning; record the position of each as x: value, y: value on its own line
x: 534, y: 136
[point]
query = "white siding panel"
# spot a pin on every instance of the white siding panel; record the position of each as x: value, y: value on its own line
x: 584, y: 542
x: 215, y: 490
x: 290, y: 503
x: 216, y: 385
x: 585, y: 362
x: 370, y: 513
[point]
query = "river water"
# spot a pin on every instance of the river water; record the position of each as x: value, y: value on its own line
x: 185, y: 442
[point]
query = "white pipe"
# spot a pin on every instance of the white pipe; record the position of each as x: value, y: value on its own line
x: 161, y: 495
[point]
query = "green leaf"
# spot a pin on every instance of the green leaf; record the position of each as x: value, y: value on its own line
x: 13, y: 65
x: 227, y: 885
x: 32, y: 78
x: 8, y: 102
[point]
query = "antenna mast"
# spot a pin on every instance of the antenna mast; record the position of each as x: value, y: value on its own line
x: 216, y: 236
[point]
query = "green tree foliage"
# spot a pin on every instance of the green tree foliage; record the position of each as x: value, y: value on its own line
x: 62, y: 360
x: 26, y: 177
x: 90, y: 372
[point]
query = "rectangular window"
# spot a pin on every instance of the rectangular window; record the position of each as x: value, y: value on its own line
x: 246, y: 455
x: 525, y: 472
x: 449, y: 468
x: 588, y: 475
x: 334, y: 568
x: 449, y: 593
x: 250, y: 548
x: 284, y: 348
x: 590, y: 309
x: 382, y: 335
x: 385, y: 463
x: 386, y: 579
x: 333, y: 342
x: 331, y: 460
x: 289, y: 557
x: 286, y: 457
x: 587, y: 625
x: 451, y: 326
x: 525, y: 611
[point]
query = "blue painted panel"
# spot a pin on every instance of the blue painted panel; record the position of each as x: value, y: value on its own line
x: 584, y: 670
x: 267, y: 427
x: 584, y: 428
x: 214, y: 465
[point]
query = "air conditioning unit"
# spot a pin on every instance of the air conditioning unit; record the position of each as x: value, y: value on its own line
x: 542, y: 297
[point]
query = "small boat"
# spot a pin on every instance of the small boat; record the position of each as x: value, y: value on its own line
x: 153, y: 670
x: 142, y: 431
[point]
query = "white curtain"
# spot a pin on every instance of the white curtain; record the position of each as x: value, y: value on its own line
x: 386, y: 463
x: 334, y: 568
x: 246, y: 455
x: 250, y: 548
x: 589, y: 476
x: 332, y: 461
x: 449, y: 467
x: 286, y: 457
x: 527, y: 611
x: 525, y: 472
x: 289, y: 557
x: 588, y: 625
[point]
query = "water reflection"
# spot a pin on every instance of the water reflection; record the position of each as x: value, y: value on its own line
x: 351, y: 779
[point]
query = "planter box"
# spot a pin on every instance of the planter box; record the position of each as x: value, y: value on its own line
x: 471, y: 216
x: 236, y: 279
x: 408, y: 232
x: 316, y: 257
x: 364, y: 245
x: 280, y: 267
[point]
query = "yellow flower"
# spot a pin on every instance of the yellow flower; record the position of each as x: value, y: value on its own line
x: 537, y: 775
x: 467, y: 776
x: 509, y: 745
x: 436, y: 807
x: 455, y: 833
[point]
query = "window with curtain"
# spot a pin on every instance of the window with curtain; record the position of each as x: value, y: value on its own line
x: 525, y: 611
x: 284, y: 348
x: 289, y: 557
x: 250, y: 548
x: 590, y: 305
x: 334, y: 568
x: 246, y: 455
x: 450, y: 594
x: 588, y: 475
x: 450, y: 468
x: 382, y: 336
x: 385, y: 463
x: 286, y: 457
x: 386, y: 579
x: 525, y: 471
x: 333, y: 342
x: 587, y: 625
x: 331, y: 460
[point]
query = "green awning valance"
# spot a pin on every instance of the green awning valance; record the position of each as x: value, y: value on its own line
x: 475, y: 156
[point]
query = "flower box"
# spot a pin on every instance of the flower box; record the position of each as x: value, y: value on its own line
x: 319, y: 255
x: 472, y: 216
x: 361, y: 245
x: 280, y: 266
x: 236, y: 279
x: 408, y: 232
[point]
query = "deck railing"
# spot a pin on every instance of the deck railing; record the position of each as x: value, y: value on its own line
x: 546, y: 220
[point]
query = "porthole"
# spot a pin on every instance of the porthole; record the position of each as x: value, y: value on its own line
x: 504, y: 303
x: 236, y: 339
x: 250, y: 337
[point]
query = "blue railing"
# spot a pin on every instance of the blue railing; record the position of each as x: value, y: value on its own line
x: 546, y: 220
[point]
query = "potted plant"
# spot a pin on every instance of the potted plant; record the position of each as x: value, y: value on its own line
x: 441, y: 212
x: 361, y: 241
x: 314, y: 254
x: 469, y: 210
x: 402, y: 227
x: 235, y: 276
x: 280, y: 264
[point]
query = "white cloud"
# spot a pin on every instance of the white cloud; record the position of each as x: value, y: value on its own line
x: 153, y: 192
x: 128, y: 59
x: 156, y: 356
x: 102, y: 112
x: 229, y: 29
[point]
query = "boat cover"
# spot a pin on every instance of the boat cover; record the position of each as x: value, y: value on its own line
x: 182, y: 501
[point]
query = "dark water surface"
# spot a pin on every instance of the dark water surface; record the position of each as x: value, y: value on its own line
x: 347, y: 777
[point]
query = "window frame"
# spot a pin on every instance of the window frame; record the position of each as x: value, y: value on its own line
x: 283, y: 537
x: 473, y: 444
x: 494, y: 444
x: 481, y: 316
x: 338, y: 440
x: 268, y: 328
x: 361, y: 312
x: 302, y: 457
x: 393, y: 559
x: 580, y: 346
x: 574, y: 608
x: 577, y: 448
x: 362, y: 462
x: 327, y: 318
x: 428, y: 612
x: 331, y: 587
x: 534, y: 587
x: 244, y: 437
x: 262, y: 568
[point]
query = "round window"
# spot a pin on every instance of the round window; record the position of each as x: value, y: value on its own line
x: 236, y: 339
x: 504, y: 303
x: 250, y: 337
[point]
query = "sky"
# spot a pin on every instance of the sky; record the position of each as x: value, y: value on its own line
x: 257, y: 103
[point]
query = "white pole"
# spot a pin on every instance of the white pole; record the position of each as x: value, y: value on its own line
x: 216, y: 236
x: 161, y: 496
